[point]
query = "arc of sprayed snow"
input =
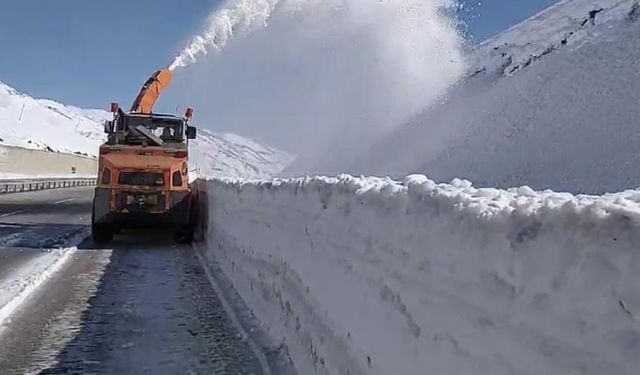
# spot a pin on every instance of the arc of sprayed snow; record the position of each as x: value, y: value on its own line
x: 235, y: 17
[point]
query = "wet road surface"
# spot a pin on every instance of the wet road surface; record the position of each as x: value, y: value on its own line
x: 45, y: 219
x: 143, y: 305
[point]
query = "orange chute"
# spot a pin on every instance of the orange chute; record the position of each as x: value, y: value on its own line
x: 151, y: 91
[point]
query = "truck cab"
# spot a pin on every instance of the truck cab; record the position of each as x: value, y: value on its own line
x: 143, y: 175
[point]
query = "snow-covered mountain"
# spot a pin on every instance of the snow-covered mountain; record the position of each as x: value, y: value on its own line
x: 226, y: 154
x: 45, y: 125
x: 551, y: 103
x: 48, y: 125
x: 566, y: 24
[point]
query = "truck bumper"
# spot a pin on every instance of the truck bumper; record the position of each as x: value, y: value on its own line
x: 176, y: 214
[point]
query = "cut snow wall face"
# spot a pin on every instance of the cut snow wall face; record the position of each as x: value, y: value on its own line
x: 374, y: 276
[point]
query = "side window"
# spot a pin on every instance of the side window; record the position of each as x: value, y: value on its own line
x: 120, y: 123
x: 177, y: 178
x: 106, y: 176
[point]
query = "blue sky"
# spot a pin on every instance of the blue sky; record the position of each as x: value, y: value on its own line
x: 486, y: 18
x: 90, y: 52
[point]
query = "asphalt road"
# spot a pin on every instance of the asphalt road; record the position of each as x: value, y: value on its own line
x: 144, y: 305
x: 44, y: 219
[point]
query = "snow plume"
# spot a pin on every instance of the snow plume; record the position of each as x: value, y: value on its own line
x: 238, y: 16
x: 322, y: 75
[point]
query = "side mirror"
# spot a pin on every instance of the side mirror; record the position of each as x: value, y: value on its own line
x: 108, y: 127
x: 191, y: 132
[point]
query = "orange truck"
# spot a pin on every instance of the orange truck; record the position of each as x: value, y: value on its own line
x: 143, y: 169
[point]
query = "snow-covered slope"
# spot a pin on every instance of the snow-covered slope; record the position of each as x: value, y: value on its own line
x: 566, y: 24
x: 373, y: 276
x: 226, y: 154
x: 551, y: 103
x: 47, y: 125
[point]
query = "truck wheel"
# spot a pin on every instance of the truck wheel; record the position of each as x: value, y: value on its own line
x: 101, y: 234
x: 184, y: 235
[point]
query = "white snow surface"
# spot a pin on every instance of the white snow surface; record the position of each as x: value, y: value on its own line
x: 45, y: 125
x: 551, y: 103
x: 48, y: 125
x: 544, y: 32
x: 230, y: 155
x: 371, y: 275
x: 22, y: 282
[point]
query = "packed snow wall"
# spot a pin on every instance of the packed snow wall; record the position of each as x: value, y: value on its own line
x: 368, y: 275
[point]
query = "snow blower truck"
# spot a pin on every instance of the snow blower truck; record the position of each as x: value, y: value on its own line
x: 143, y: 169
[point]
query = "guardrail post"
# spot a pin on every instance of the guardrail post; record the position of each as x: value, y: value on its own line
x: 43, y: 184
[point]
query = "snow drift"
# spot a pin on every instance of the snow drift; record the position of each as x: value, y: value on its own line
x: 551, y: 103
x: 310, y: 75
x: 18, y: 284
x: 368, y: 275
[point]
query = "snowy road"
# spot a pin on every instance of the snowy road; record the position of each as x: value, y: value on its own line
x: 145, y: 305
x: 44, y: 219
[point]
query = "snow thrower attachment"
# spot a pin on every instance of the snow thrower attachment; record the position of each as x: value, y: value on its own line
x: 143, y: 169
x: 151, y: 91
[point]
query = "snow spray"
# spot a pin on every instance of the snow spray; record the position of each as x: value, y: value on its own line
x: 312, y: 75
x: 235, y: 17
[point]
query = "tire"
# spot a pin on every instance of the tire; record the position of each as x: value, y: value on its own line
x: 101, y: 234
x: 184, y: 235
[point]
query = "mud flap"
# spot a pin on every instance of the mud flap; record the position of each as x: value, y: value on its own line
x: 181, y: 208
x: 199, y: 210
x: 101, y: 205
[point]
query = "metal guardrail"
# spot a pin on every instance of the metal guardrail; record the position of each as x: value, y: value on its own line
x: 24, y: 185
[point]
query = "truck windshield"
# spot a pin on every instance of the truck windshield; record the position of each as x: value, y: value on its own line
x: 141, y: 179
x: 169, y: 130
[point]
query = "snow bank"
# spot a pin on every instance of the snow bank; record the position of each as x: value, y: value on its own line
x: 23, y: 281
x: 367, y: 275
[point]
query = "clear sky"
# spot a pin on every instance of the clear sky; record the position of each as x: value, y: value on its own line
x: 91, y: 52
x: 486, y: 18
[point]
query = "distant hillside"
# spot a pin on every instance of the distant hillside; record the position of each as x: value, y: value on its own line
x: 226, y: 154
x: 48, y: 125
